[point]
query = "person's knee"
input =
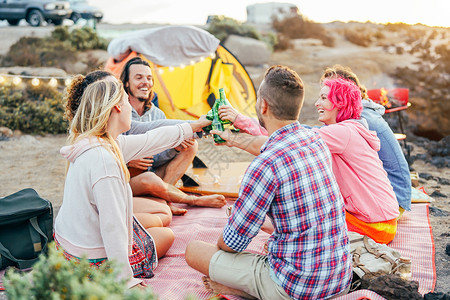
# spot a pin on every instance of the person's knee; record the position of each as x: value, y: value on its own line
x: 191, y: 151
x: 191, y: 251
x: 151, y: 183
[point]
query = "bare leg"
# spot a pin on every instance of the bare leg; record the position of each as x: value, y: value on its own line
x: 149, y: 183
x: 198, y: 256
x: 174, y: 169
x: 149, y: 210
x: 163, y: 238
x: 217, y: 288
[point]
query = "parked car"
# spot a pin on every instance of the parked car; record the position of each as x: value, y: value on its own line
x: 35, y: 12
x: 82, y: 9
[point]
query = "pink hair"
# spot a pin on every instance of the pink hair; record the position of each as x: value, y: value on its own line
x: 346, y: 96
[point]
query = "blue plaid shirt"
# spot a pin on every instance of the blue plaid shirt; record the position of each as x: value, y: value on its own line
x: 292, y: 182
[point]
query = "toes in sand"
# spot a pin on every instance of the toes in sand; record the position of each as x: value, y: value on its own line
x: 211, y: 201
x: 217, y: 288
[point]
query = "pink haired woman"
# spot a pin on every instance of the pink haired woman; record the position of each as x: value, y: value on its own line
x: 370, y: 202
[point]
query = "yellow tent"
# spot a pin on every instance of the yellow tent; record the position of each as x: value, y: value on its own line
x: 189, y: 66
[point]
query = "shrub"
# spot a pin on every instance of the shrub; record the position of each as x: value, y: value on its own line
x: 221, y: 27
x: 358, y: 37
x: 39, y: 52
x: 54, y: 51
x: 399, y: 26
x: 54, y: 277
x: 84, y: 38
x: 283, y: 43
x: 37, y: 110
x: 299, y: 27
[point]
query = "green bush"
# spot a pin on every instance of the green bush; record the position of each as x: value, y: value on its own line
x: 54, y: 51
x: 299, y: 27
x: 81, y: 39
x: 54, y: 277
x: 221, y: 27
x: 39, y: 52
x: 31, y: 109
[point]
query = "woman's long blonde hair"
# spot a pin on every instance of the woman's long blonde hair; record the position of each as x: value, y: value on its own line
x: 92, y: 116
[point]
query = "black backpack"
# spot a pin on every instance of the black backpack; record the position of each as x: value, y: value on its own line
x: 26, y: 227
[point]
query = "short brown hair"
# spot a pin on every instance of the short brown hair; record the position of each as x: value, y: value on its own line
x: 283, y: 90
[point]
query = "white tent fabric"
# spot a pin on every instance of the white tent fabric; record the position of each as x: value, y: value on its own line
x: 166, y: 46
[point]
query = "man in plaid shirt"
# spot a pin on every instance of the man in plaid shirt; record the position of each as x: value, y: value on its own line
x: 291, y: 182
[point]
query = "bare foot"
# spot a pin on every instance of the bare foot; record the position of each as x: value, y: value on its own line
x: 217, y: 288
x: 210, y: 201
x: 176, y: 211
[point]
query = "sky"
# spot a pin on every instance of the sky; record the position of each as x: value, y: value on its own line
x: 195, y: 12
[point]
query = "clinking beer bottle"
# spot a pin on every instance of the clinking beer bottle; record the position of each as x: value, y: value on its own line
x: 223, y: 101
x: 218, y: 103
x: 217, y: 125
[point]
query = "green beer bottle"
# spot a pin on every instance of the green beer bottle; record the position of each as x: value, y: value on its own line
x: 223, y: 101
x: 217, y: 125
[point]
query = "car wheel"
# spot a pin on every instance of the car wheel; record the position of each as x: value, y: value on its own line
x: 57, y: 22
x: 13, y: 22
x: 35, y: 18
x: 75, y: 17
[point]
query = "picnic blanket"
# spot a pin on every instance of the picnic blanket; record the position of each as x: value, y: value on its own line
x: 174, y: 279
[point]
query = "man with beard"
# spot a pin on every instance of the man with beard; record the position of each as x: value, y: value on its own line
x: 169, y: 165
x: 291, y: 182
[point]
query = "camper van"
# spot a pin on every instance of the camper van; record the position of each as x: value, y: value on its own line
x: 264, y: 13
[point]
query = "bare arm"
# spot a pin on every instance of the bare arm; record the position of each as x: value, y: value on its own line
x: 221, y: 244
x: 251, y: 144
x: 142, y: 127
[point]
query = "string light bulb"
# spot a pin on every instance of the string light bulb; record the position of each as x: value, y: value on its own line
x: 17, y: 80
x: 2, y: 79
x: 160, y: 71
x: 171, y: 69
x: 182, y: 66
x: 53, y: 82
x: 35, y: 82
x: 212, y: 55
x: 67, y: 81
x: 192, y: 62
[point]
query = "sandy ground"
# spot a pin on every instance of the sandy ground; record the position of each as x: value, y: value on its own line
x: 34, y: 161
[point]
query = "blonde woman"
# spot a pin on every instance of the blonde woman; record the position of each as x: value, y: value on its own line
x: 96, y: 217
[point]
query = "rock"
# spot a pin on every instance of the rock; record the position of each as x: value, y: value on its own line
x: 436, y: 296
x: 443, y: 181
x: 17, y: 133
x: 249, y: 51
x: 6, y: 132
x: 437, y: 212
x: 425, y: 176
x: 437, y: 194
